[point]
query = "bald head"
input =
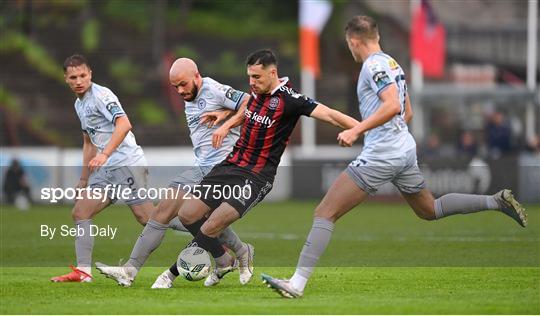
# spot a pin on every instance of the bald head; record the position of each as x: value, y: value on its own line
x: 185, y: 78
x: 183, y: 67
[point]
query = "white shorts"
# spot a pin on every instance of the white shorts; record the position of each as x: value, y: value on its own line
x: 371, y: 173
x: 134, y: 178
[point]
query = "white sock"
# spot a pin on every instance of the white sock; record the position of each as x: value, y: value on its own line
x: 87, y: 270
x: 298, y: 282
x: 170, y: 275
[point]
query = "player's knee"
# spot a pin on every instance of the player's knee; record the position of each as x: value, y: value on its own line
x: 165, y: 211
x: 79, y: 213
x: 211, y: 228
x: 187, y: 218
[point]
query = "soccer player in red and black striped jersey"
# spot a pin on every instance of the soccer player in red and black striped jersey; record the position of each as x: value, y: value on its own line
x: 270, y: 117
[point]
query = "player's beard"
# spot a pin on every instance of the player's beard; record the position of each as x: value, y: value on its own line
x: 193, y: 92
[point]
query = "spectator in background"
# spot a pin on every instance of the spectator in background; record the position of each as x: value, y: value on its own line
x: 533, y: 145
x: 499, y: 134
x: 431, y: 148
x: 467, y: 145
x: 15, y: 183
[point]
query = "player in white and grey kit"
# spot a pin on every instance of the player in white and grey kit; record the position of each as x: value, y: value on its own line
x: 389, y: 155
x: 111, y: 159
x: 212, y: 143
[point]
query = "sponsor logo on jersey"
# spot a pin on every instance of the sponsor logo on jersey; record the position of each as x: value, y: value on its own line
x: 201, y: 104
x: 256, y: 117
x: 193, y: 120
x: 274, y: 103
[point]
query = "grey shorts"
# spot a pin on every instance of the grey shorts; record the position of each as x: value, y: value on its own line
x: 130, y: 179
x: 190, y: 176
x: 370, y: 174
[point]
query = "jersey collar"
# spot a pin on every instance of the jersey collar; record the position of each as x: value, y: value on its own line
x: 87, y: 93
x: 282, y: 81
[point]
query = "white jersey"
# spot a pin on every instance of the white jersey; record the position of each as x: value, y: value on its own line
x: 97, y: 110
x: 392, y: 139
x: 211, y: 96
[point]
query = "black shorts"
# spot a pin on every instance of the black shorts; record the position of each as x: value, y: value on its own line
x: 237, y: 186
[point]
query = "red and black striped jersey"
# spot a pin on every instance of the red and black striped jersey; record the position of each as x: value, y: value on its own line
x: 269, y: 121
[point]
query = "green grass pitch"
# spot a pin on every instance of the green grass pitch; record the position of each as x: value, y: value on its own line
x: 382, y: 259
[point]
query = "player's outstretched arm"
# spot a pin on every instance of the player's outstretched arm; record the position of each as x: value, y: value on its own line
x: 122, y: 126
x: 89, y: 152
x: 336, y: 118
x: 213, y: 118
x: 388, y: 109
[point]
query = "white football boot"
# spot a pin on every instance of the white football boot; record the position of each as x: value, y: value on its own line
x: 511, y: 207
x: 163, y: 281
x: 282, y: 286
x: 219, y: 272
x: 123, y: 275
x: 245, y: 264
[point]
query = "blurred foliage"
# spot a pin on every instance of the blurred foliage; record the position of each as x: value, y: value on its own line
x: 30, y: 31
x: 67, y: 4
x: 185, y: 51
x: 127, y: 74
x: 151, y: 113
x: 227, y: 65
x: 34, y: 53
x: 9, y: 101
x: 241, y: 26
x: 134, y: 13
x: 37, y: 123
x: 90, y: 35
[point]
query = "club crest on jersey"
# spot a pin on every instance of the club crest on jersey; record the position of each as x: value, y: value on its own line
x: 201, y: 104
x: 274, y: 103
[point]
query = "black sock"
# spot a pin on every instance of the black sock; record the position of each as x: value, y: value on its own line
x: 210, y: 244
x: 174, y: 270
x: 195, y: 227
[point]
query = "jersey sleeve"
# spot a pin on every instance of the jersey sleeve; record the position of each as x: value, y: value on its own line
x: 110, y: 106
x: 229, y: 97
x: 378, y: 75
x: 301, y: 104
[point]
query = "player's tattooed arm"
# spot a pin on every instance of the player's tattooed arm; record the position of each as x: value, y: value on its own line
x: 89, y: 152
x: 122, y: 127
x: 336, y: 118
x: 389, y: 108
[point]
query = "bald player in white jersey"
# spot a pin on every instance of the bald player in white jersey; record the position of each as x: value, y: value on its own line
x: 389, y: 155
x: 111, y: 157
x: 205, y: 100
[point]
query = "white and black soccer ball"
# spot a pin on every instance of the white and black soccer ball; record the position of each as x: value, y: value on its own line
x: 194, y: 263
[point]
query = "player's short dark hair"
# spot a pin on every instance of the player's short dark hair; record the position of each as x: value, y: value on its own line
x: 75, y: 61
x: 362, y: 26
x: 264, y: 57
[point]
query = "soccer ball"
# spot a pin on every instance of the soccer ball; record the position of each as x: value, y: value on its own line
x: 194, y: 263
